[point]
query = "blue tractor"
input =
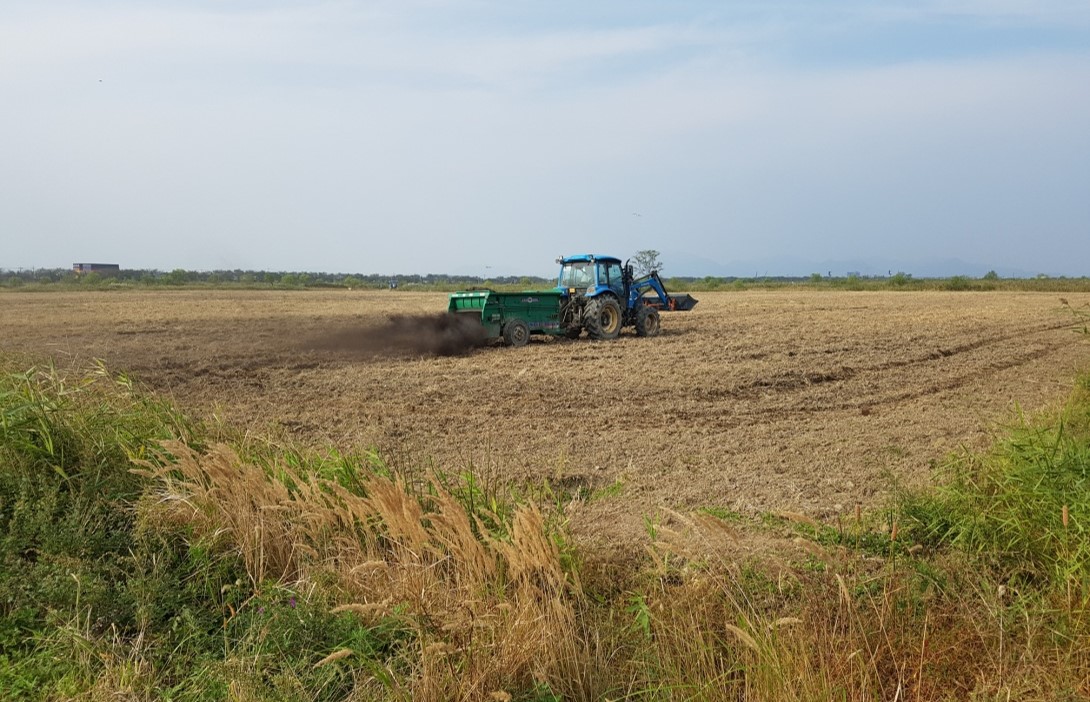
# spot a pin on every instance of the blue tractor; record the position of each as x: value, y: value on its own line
x: 602, y: 295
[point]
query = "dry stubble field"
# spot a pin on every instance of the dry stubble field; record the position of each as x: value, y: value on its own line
x: 799, y: 400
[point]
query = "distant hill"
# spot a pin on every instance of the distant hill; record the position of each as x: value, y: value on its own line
x: 684, y: 264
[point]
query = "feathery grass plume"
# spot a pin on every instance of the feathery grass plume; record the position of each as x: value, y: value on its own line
x: 798, y: 518
x: 224, y: 496
x: 335, y: 656
x: 364, y: 610
x: 785, y: 621
x: 694, y: 538
x: 744, y: 637
x: 811, y: 547
x: 438, y: 648
x: 842, y: 587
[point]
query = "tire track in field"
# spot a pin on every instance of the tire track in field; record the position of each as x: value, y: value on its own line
x: 799, y: 380
x: 990, y: 366
x: 737, y: 418
x: 785, y: 386
x: 957, y: 381
x: 974, y: 345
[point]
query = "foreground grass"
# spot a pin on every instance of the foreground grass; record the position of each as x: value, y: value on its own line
x: 143, y: 556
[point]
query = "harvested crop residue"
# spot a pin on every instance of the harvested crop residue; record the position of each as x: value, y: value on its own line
x: 788, y: 400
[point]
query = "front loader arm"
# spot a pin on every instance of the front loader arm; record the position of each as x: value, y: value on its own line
x: 665, y: 301
x: 651, y: 282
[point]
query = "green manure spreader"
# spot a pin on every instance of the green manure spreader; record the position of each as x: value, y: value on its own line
x: 595, y: 294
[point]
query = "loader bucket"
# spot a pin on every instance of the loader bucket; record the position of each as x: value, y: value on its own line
x: 682, y: 303
x: 674, y: 303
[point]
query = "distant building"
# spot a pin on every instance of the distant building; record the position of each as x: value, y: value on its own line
x: 100, y: 268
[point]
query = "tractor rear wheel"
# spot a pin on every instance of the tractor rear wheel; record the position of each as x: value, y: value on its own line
x: 602, y: 318
x: 648, y: 322
x: 516, y: 333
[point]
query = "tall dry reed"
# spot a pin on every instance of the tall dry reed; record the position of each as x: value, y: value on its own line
x: 485, y: 610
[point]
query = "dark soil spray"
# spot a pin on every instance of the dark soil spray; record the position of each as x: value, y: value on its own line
x: 408, y: 335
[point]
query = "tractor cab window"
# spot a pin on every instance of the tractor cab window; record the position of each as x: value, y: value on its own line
x: 610, y: 274
x: 579, y: 274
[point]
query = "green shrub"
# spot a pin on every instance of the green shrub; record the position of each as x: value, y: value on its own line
x: 68, y: 549
x: 1025, y: 505
x: 958, y: 282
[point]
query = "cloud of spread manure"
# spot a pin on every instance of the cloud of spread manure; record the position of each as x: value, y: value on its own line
x: 408, y: 335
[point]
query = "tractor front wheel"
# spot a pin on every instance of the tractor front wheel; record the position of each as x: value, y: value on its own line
x: 648, y: 322
x: 516, y: 333
x: 602, y: 318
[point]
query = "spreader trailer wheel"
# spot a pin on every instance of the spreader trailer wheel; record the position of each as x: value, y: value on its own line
x: 516, y: 333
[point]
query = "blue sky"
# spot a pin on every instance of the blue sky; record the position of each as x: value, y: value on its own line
x: 489, y: 137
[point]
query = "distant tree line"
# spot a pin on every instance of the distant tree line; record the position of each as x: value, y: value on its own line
x: 128, y: 278
x: 250, y: 278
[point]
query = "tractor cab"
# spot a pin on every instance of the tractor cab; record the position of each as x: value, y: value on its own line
x: 592, y: 275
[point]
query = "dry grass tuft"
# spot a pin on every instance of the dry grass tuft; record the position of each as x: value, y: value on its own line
x: 499, y: 608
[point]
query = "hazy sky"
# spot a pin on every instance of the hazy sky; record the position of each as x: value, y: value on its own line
x: 451, y: 135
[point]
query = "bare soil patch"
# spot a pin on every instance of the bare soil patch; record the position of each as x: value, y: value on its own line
x: 808, y: 401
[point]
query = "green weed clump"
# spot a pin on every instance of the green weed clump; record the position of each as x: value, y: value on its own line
x: 104, y: 598
x: 70, y: 553
x: 1023, y: 506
